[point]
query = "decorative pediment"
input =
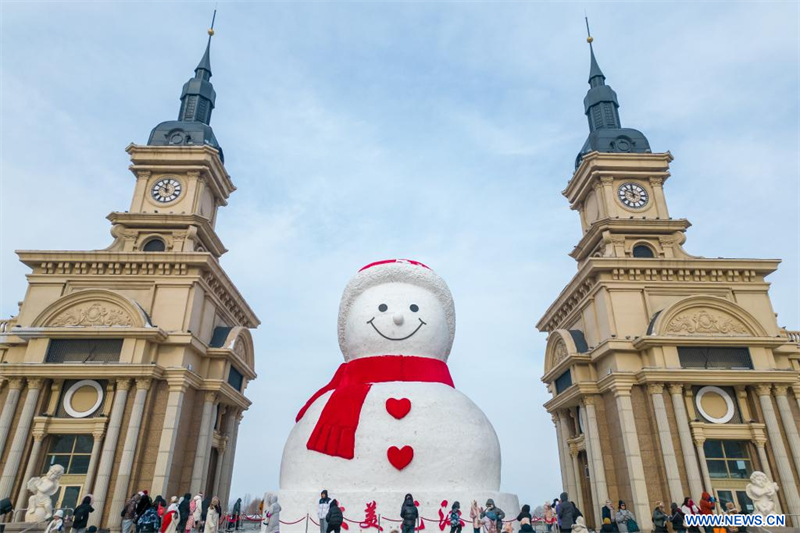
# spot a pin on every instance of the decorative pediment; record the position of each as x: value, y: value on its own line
x: 704, y: 316
x: 240, y: 341
x: 562, y: 344
x: 93, y: 308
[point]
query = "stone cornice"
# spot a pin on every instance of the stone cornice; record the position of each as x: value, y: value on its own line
x: 154, y: 334
x: 236, y: 361
x: 44, y: 425
x: 225, y: 393
x: 642, y: 343
x: 161, y: 221
x: 748, y: 431
x: 654, y: 271
x: 592, y: 237
x: 80, y: 370
x: 572, y: 396
x: 717, y: 376
x: 143, y: 265
x: 564, y: 364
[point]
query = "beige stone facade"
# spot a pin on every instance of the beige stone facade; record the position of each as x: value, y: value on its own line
x: 129, y: 365
x: 669, y: 374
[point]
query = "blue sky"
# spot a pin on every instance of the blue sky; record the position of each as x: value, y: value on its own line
x: 439, y: 131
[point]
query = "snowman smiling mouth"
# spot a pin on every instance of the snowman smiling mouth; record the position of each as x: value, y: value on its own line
x: 372, y: 323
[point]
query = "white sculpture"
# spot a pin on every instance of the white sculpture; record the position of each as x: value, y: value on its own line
x: 763, y: 492
x: 391, y: 421
x: 40, y: 505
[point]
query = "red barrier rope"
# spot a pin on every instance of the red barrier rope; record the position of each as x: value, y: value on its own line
x: 293, y: 523
x: 257, y: 518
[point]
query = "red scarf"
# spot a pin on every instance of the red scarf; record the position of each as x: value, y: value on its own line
x: 335, y: 431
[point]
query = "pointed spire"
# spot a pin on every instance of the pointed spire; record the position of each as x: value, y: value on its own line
x: 601, y: 107
x: 600, y: 103
x: 197, y: 103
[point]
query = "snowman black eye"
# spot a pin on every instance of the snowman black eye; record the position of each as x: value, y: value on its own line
x: 414, y: 308
x: 382, y: 308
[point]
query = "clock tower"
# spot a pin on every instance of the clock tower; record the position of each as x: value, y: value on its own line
x: 127, y: 367
x: 669, y: 375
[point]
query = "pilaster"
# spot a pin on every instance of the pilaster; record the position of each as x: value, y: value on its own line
x: 203, y: 443
x: 787, y: 480
x: 633, y: 456
x: 656, y: 391
x: 169, y: 436
x: 128, y: 451
x: 9, y: 408
x: 100, y: 490
x: 14, y: 458
x: 685, y: 435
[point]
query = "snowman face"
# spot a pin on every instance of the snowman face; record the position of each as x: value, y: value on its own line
x: 396, y: 319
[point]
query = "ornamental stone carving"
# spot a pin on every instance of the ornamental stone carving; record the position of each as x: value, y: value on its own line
x: 239, y: 349
x: 93, y: 315
x: 705, y: 322
x: 559, y: 351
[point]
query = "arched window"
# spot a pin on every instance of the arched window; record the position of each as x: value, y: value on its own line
x: 642, y: 250
x: 154, y: 245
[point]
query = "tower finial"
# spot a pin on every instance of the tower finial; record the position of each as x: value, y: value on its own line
x: 205, y: 61
x: 594, y: 70
x: 213, y: 19
x: 589, y: 37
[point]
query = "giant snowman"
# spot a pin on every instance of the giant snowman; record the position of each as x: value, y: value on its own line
x: 391, y: 421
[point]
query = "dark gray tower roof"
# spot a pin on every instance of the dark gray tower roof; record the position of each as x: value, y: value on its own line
x: 606, y: 133
x: 197, y: 103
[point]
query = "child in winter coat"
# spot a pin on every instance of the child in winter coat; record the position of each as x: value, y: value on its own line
x: 475, y: 515
x: 56, y: 525
x: 455, y: 518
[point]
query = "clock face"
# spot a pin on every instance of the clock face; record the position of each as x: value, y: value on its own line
x: 166, y: 190
x: 632, y: 195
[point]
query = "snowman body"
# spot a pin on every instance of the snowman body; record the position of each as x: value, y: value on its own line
x: 413, y: 430
x: 454, y: 445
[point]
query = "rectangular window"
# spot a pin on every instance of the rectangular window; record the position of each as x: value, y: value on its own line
x: 563, y: 382
x: 728, y: 459
x: 235, y: 379
x: 84, y: 351
x: 715, y: 357
x: 70, y: 451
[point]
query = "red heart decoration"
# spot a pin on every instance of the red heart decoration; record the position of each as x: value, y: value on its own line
x: 398, y: 408
x: 400, y: 457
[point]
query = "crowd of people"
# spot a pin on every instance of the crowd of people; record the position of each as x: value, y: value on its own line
x: 186, y: 514
x: 143, y: 514
x: 200, y: 514
x: 563, y: 516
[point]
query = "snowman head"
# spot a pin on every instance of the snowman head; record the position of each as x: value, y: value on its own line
x: 396, y: 307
